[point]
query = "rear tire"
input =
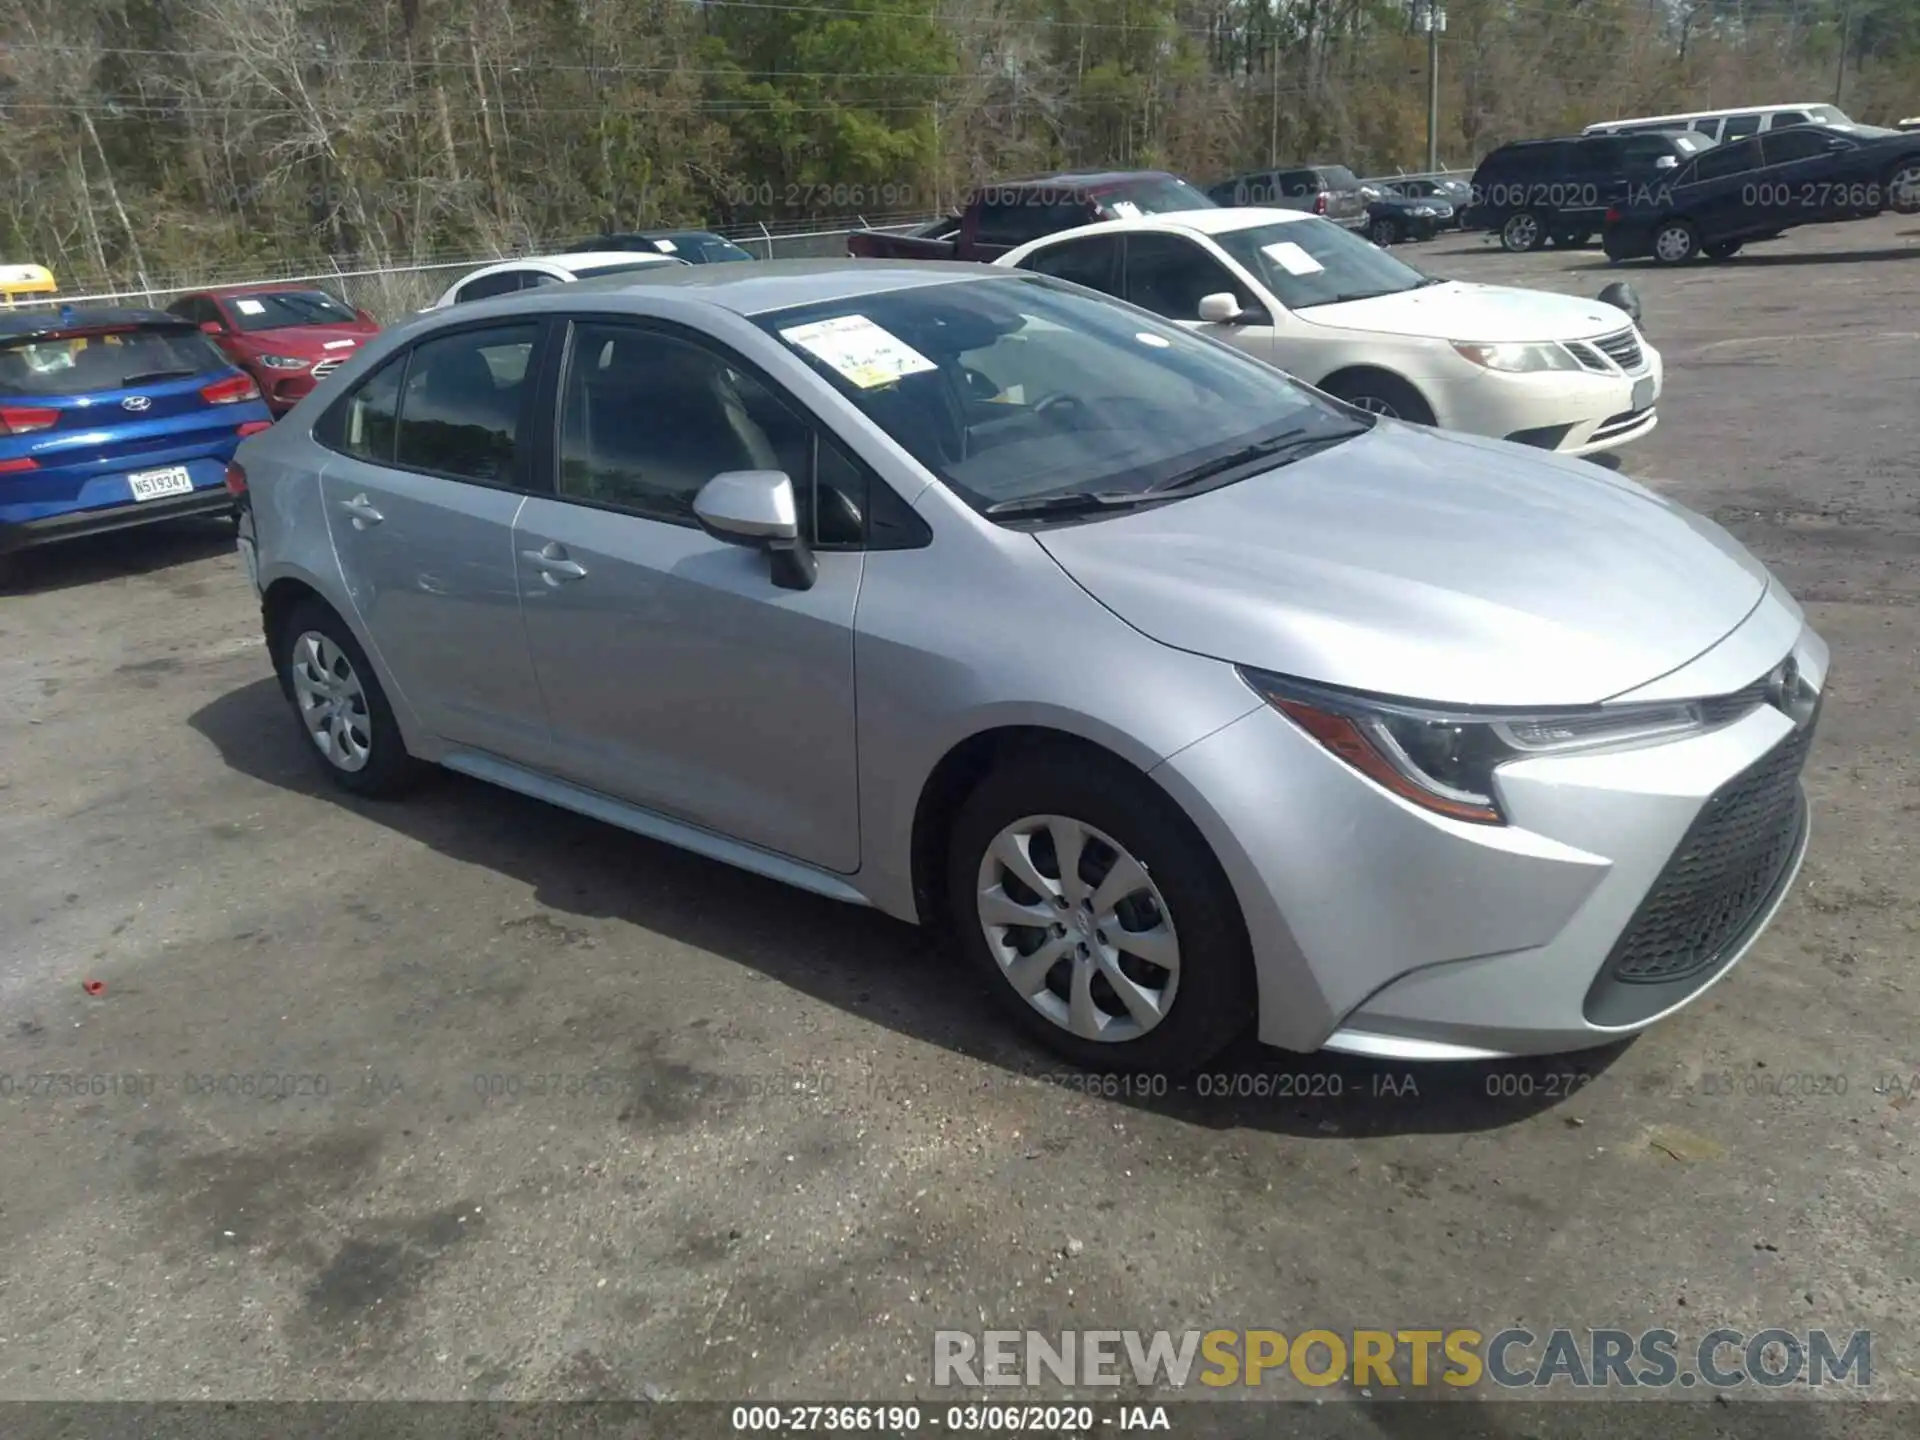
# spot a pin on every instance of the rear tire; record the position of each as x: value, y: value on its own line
x: 1523, y: 231
x: 343, y: 714
x: 1676, y: 242
x: 1379, y: 393
x: 1062, y: 979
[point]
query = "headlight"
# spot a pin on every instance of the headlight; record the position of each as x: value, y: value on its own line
x: 1516, y: 358
x: 284, y: 362
x: 1444, y: 760
x: 1423, y: 210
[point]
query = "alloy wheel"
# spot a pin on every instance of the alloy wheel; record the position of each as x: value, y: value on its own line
x: 1374, y: 405
x: 1521, y: 232
x: 331, y: 701
x: 1903, y: 190
x: 1078, y: 928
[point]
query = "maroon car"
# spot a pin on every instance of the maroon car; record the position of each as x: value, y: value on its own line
x: 286, y: 336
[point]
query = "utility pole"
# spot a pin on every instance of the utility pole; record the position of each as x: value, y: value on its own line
x: 1273, y: 76
x: 1840, y: 75
x: 1435, y: 20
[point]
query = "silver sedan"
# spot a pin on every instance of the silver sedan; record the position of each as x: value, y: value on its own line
x: 1185, y: 700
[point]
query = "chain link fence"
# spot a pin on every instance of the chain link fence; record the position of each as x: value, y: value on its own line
x: 391, y: 292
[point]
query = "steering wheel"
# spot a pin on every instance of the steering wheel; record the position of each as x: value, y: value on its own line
x: 1057, y: 400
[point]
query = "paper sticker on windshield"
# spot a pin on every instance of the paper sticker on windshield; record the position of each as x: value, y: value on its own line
x: 249, y: 307
x: 866, y: 354
x: 1124, y: 209
x: 1291, y: 258
x: 666, y: 245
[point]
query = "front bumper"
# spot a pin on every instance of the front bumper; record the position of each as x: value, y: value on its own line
x: 1379, y: 928
x: 1571, y: 412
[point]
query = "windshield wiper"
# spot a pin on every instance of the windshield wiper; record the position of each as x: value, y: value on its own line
x: 1068, y: 502
x: 144, y: 377
x: 1287, y: 446
x: 1344, y: 296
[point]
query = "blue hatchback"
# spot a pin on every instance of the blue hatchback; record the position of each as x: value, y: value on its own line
x: 112, y: 418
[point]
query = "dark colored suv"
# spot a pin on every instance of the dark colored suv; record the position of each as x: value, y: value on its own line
x: 1330, y: 190
x: 1533, y: 191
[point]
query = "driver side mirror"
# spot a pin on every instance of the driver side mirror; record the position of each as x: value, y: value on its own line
x: 1666, y: 162
x: 1222, y: 308
x: 758, y: 509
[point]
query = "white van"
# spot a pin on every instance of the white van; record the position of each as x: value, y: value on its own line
x: 1724, y: 125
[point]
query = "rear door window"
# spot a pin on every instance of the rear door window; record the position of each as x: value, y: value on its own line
x: 1738, y: 127
x: 1723, y: 160
x: 1088, y: 262
x: 1786, y: 146
x: 486, y: 287
x: 461, y: 404
x: 1782, y: 119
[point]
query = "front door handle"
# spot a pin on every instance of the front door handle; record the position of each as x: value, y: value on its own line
x: 552, y: 563
x: 362, y: 511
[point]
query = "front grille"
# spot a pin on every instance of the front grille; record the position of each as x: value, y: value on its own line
x: 1588, y: 356
x: 1725, y: 709
x: 326, y: 367
x: 1623, y: 348
x: 1722, y: 874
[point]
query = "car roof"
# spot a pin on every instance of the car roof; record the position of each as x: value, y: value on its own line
x: 1089, y: 180
x: 261, y: 287
x: 56, y: 319
x: 1222, y: 221
x: 759, y: 287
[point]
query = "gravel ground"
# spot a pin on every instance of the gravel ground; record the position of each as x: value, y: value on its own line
x: 560, y: 1113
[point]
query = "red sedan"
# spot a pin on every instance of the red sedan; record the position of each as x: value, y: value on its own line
x: 286, y: 336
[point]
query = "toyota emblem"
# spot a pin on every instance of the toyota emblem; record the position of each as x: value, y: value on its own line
x: 135, y: 402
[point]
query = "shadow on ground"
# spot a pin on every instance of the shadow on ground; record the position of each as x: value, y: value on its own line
x: 866, y: 964
x: 93, y: 559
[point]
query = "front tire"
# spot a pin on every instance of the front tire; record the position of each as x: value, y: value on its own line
x: 343, y: 713
x: 1381, y: 394
x: 1903, y: 188
x: 1676, y: 242
x: 1384, y: 232
x: 1097, y: 916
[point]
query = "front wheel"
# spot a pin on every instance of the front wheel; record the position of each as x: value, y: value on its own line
x: 1381, y: 394
x: 1903, y: 188
x: 1676, y: 242
x: 1097, y: 916
x: 1384, y: 233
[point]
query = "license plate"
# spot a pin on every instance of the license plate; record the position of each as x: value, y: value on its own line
x: 152, y: 484
x: 1643, y: 393
x: 251, y: 561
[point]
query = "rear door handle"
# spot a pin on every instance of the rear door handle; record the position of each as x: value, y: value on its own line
x: 362, y: 511
x: 552, y: 563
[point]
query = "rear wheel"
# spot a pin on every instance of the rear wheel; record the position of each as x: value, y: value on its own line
x: 1525, y: 230
x: 1676, y: 242
x: 342, y: 710
x: 1097, y: 916
x: 1724, y: 249
x: 1379, y: 393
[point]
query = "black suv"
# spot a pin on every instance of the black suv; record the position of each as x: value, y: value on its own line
x: 1533, y: 191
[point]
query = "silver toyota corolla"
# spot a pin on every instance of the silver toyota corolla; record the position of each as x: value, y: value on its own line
x: 1184, y: 698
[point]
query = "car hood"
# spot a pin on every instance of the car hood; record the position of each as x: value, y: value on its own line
x: 1481, y: 313
x: 309, y: 340
x: 1429, y: 566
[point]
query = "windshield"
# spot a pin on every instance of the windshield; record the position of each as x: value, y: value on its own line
x: 274, y: 309
x: 87, y: 364
x: 1338, y: 177
x: 1162, y: 196
x: 1013, y: 388
x: 1312, y: 262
